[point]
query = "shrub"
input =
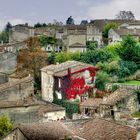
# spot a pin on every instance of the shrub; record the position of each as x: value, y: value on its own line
x: 71, y: 107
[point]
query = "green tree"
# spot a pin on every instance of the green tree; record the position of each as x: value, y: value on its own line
x: 101, y: 80
x: 4, y: 35
x: 107, y: 27
x: 6, y: 125
x: 91, y: 45
x: 130, y: 50
x: 45, y: 41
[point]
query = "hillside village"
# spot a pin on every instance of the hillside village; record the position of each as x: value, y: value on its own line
x: 71, y: 81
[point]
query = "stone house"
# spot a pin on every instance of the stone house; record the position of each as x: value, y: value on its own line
x: 121, y: 103
x: 32, y: 110
x: 94, y: 33
x: 131, y: 25
x: 39, y: 131
x: 116, y: 35
x: 56, y: 79
x: 73, y: 35
x: 91, y: 107
x: 21, y: 32
x: 17, y: 90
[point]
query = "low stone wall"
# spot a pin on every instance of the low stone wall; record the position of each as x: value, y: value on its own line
x: 132, y: 87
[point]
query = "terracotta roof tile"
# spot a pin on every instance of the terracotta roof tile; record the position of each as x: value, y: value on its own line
x: 92, y: 102
x: 101, y: 129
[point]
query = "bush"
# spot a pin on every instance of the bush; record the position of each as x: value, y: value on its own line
x: 126, y: 68
x: 6, y: 125
x: 101, y: 80
x: 71, y: 107
x: 114, y: 87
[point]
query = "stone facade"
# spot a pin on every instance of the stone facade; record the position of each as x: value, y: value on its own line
x: 18, y: 90
x: 20, y: 33
x: 94, y: 34
x: 15, y: 134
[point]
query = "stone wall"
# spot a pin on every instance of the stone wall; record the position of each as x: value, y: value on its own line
x: 7, y: 62
x: 16, y: 134
x: 19, y: 90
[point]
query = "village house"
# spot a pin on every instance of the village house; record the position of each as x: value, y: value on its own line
x: 119, y: 104
x: 74, y: 38
x: 32, y: 110
x: 131, y: 25
x: 116, y: 35
x: 21, y: 32
x: 91, y: 107
x: 17, y: 89
x: 69, y: 80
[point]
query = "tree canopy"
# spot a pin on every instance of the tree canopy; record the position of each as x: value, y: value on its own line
x: 125, y: 15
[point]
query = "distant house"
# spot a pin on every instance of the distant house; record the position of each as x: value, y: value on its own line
x: 94, y: 33
x: 37, y: 131
x: 116, y: 35
x: 74, y: 34
x: 70, y: 80
x: 118, y: 104
x: 21, y: 32
x: 131, y: 25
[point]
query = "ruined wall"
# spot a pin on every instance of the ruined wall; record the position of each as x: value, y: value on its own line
x: 13, y: 91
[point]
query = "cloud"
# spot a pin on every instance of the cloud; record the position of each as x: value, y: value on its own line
x: 82, y: 3
x: 110, y: 8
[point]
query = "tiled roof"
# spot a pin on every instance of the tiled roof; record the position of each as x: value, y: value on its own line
x: 124, y: 32
x: 46, y: 131
x: 91, y: 102
x: 62, y: 69
x: 100, y: 23
x: 118, y: 95
x: 101, y: 129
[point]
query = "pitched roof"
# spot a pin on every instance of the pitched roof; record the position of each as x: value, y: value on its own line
x: 45, y: 131
x: 118, y: 95
x: 62, y: 69
x: 101, y: 129
x: 124, y: 32
x: 91, y: 102
x: 100, y: 23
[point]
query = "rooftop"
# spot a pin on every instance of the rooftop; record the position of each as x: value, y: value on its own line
x: 101, y: 129
x: 46, y: 131
x: 124, y: 32
x: 61, y: 70
x: 92, y: 102
x: 118, y: 95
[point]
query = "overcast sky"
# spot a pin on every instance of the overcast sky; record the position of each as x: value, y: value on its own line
x: 32, y: 11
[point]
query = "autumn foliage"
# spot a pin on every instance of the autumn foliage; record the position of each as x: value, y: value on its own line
x: 32, y: 58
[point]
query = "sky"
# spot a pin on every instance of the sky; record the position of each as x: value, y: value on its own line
x: 33, y: 11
